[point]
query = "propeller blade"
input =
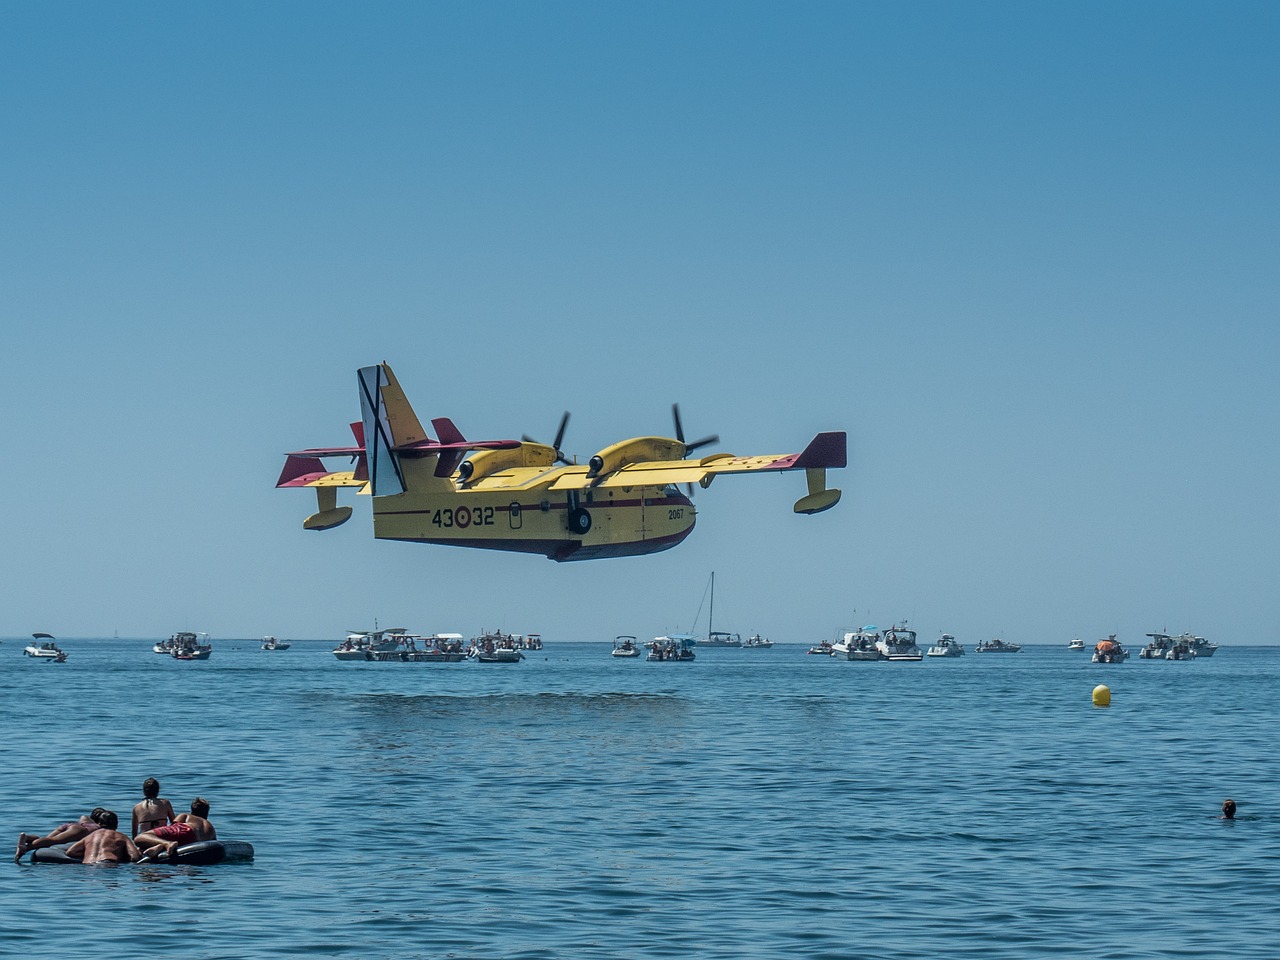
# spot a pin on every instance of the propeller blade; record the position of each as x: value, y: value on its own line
x: 564, y: 422
x: 675, y: 415
x: 714, y: 438
x: 560, y: 457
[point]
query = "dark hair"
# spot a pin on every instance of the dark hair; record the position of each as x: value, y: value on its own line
x: 200, y: 807
x: 108, y: 819
x: 96, y: 814
x: 151, y: 788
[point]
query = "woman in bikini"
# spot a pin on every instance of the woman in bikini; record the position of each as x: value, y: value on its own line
x: 154, y: 811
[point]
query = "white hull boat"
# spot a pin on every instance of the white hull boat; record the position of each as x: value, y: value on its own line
x: 946, y: 647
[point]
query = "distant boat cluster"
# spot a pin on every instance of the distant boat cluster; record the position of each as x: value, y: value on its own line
x: 395, y: 644
x: 897, y: 643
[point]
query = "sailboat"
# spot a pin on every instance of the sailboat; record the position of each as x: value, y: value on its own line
x: 718, y: 638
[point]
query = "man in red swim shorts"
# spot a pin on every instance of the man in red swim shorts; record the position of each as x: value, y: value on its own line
x: 186, y: 828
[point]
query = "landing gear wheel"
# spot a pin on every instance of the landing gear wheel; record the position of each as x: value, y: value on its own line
x: 579, y: 521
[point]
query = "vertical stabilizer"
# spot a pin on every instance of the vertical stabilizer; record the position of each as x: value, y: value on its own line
x: 385, y: 478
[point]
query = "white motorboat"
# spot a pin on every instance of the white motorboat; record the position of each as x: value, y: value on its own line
x: 1076, y: 644
x: 946, y: 646
x: 675, y: 648
x: 495, y: 648
x: 625, y: 646
x: 757, y: 642
x: 899, y: 644
x: 861, y: 644
x: 43, y: 647
x: 1109, y: 651
x: 271, y: 643
x: 996, y: 645
x: 823, y: 648
x: 1199, y: 645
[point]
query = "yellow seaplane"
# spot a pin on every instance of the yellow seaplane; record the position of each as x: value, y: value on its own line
x: 525, y: 496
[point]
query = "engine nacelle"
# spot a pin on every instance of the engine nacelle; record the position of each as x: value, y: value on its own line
x: 488, y: 462
x: 637, y: 450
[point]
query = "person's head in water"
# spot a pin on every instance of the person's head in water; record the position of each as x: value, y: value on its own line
x: 151, y: 788
x: 1228, y: 809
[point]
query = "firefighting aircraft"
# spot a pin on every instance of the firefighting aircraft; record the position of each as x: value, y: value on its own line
x: 525, y: 496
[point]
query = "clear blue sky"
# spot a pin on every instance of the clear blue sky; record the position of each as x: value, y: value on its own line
x: 1025, y: 254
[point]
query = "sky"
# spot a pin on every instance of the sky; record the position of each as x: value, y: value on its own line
x: 1024, y: 254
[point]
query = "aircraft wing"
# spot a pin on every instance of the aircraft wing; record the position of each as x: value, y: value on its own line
x: 825, y: 450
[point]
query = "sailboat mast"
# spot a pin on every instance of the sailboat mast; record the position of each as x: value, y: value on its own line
x: 711, y: 616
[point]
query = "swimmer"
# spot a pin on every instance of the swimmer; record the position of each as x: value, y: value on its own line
x: 1228, y: 809
x: 106, y: 844
x: 154, y: 811
x: 186, y: 828
x: 67, y: 833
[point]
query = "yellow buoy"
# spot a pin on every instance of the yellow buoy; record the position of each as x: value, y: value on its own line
x: 1102, y: 695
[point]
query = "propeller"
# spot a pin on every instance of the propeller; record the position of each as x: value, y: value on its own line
x: 560, y: 457
x: 713, y: 438
x: 689, y: 447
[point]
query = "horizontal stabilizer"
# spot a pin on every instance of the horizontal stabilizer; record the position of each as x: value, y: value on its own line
x: 300, y: 471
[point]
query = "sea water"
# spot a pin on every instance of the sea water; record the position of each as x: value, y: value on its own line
x: 753, y: 803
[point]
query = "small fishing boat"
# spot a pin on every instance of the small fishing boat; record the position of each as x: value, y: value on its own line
x: 946, y: 646
x: 271, y: 643
x: 757, y: 642
x: 823, y: 648
x: 996, y: 645
x: 1109, y: 651
x: 899, y: 644
x: 625, y: 646
x: 1076, y: 644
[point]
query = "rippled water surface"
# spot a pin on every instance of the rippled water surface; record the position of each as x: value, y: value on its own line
x: 749, y: 804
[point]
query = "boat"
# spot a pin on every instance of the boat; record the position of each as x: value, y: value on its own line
x: 823, y: 648
x: 369, y: 644
x: 757, y: 642
x: 1161, y: 644
x: 899, y: 644
x: 625, y: 646
x: 716, y: 638
x: 271, y: 643
x: 1109, y: 651
x: 496, y: 647
x: 188, y: 646
x: 437, y: 648
x: 533, y: 641
x: 719, y: 638
x: 43, y: 647
x: 1199, y: 645
x: 996, y: 645
x: 674, y: 648
x: 946, y: 646
x: 1076, y: 644
x: 861, y: 644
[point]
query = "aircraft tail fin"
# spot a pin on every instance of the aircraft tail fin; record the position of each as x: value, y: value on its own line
x: 388, y: 421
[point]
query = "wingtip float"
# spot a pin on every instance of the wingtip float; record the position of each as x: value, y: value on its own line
x: 525, y: 496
